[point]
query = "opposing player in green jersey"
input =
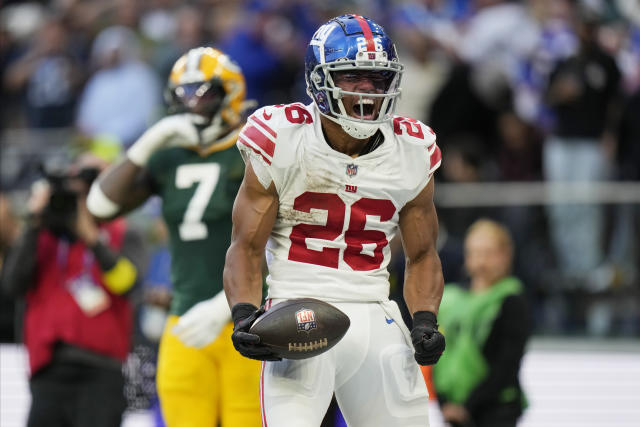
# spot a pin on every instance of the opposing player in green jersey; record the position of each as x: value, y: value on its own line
x: 189, y: 160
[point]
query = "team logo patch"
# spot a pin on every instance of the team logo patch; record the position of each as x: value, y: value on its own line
x: 306, y: 320
x: 352, y: 170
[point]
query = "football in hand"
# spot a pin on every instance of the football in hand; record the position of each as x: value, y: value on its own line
x: 301, y: 328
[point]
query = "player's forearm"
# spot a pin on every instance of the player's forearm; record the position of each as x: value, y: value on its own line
x: 424, y: 283
x: 242, y: 276
x: 118, y: 182
x: 118, y: 190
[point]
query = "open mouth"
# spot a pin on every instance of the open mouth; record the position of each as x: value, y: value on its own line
x: 365, y: 109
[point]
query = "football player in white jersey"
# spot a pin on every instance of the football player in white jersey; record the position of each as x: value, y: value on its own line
x: 326, y: 187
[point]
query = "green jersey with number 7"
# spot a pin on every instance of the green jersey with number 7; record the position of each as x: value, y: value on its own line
x: 197, y: 196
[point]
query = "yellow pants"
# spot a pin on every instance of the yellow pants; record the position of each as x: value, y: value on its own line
x: 206, y: 386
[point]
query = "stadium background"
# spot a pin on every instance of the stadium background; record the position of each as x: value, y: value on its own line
x: 476, y: 71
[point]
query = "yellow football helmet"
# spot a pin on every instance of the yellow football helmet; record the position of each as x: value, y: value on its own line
x: 207, y: 83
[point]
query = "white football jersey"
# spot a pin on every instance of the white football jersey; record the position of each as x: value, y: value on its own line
x: 337, y: 214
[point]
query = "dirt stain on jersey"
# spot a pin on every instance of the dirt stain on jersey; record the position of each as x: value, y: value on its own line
x: 321, y: 180
x: 289, y: 216
x: 316, y: 180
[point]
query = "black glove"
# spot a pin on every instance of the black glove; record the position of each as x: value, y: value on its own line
x: 243, y: 315
x: 427, y: 340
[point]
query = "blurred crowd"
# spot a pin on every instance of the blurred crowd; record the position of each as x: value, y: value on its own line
x: 526, y: 91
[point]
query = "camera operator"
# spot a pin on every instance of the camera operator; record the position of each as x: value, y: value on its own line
x: 75, y: 275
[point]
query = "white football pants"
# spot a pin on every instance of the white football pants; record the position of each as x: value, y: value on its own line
x: 372, y: 371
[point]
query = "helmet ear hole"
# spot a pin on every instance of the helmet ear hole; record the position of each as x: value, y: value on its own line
x: 316, y: 78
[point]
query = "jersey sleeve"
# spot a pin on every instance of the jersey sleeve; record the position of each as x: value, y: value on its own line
x: 432, y: 157
x: 421, y: 154
x: 435, y: 155
x: 267, y: 142
x: 257, y: 144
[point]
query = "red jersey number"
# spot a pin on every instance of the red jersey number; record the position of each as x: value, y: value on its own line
x: 334, y: 206
x: 411, y: 126
x: 355, y: 236
x: 297, y: 114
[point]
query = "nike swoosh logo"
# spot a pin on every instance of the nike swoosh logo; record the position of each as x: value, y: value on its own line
x: 266, y: 116
x: 389, y: 321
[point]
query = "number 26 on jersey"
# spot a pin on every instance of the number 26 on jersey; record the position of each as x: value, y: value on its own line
x: 364, y: 247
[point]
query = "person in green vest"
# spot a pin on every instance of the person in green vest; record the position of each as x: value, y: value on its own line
x: 189, y: 160
x: 487, y: 325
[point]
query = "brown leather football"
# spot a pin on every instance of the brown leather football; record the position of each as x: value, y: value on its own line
x: 301, y: 328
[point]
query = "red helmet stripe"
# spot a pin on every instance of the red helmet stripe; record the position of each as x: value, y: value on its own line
x: 366, y: 31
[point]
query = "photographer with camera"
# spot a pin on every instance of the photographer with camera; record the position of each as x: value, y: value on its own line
x: 75, y: 275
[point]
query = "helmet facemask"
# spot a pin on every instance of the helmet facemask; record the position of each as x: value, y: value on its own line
x: 202, y: 98
x: 322, y: 86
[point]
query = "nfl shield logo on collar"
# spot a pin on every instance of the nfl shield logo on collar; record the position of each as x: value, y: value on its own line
x: 352, y: 170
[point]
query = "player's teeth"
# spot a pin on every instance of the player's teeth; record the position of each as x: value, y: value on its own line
x: 365, y: 101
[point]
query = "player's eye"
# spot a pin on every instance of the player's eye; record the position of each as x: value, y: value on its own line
x: 346, y: 76
x: 381, y: 80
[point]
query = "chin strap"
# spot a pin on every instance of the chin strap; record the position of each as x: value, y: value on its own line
x: 357, y: 130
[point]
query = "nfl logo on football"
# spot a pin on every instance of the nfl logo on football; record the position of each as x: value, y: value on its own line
x: 352, y: 170
x: 306, y: 320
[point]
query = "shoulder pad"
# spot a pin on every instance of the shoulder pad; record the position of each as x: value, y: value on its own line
x: 266, y: 126
x: 415, y: 132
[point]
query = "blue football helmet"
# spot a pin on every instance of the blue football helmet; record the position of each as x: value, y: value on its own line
x: 352, y: 43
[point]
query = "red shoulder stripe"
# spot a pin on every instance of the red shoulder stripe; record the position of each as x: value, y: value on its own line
x: 250, y: 145
x: 260, y: 139
x: 264, y: 126
x: 366, y: 31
